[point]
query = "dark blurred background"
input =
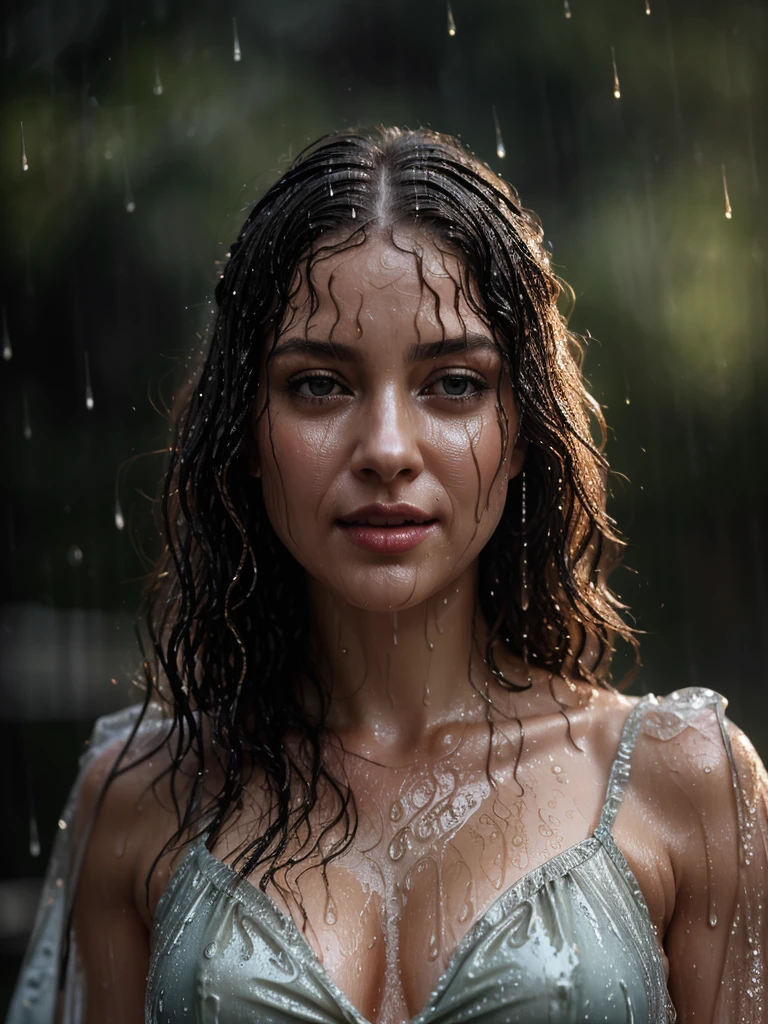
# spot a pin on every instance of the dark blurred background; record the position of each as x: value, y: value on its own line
x: 150, y: 126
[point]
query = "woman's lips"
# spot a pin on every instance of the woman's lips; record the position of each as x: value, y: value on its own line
x: 389, y: 540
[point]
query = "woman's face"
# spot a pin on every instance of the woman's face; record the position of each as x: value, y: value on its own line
x: 378, y: 439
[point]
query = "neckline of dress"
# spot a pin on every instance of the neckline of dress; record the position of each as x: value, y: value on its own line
x: 244, y: 890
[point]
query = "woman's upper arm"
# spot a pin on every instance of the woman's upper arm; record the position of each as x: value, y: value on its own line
x: 717, y: 939
x: 111, y: 943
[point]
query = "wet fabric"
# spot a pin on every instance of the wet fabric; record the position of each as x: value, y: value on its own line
x: 571, y: 940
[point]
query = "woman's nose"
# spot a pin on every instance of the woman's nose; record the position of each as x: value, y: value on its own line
x: 389, y: 441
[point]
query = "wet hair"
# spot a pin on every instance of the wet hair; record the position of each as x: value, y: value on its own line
x: 225, y: 613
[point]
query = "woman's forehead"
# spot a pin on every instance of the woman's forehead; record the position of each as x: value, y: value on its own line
x: 386, y: 283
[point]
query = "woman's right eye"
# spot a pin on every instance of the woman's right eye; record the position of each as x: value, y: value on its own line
x: 317, y: 386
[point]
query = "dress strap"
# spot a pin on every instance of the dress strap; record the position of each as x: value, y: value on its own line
x: 619, y: 774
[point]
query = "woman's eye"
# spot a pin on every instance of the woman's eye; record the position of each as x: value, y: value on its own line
x: 457, y: 386
x: 317, y: 387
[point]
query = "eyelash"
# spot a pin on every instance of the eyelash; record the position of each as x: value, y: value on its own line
x: 478, y: 383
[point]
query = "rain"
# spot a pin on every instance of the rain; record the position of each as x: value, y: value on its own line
x: 134, y: 139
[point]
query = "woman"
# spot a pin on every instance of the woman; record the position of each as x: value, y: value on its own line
x: 380, y: 773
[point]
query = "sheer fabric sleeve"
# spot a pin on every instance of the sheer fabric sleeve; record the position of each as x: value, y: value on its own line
x: 717, y: 790
x: 49, y: 988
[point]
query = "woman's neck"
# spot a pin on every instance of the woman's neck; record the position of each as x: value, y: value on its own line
x: 394, y: 677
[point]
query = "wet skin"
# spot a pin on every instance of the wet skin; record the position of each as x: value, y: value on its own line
x: 391, y: 393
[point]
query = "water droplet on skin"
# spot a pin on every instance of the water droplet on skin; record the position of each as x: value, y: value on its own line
x: 210, y: 951
x: 713, y: 920
x: 354, y: 213
x: 394, y: 628
x: 24, y: 161
x: 161, y: 1001
x: 330, y: 911
x: 451, y: 22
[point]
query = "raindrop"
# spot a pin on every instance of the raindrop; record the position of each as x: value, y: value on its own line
x: 616, y: 86
x: 7, y: 348
x: 24, y: 161
x: 130, y: 203
x: 88, y: 388
x: 501, y: 151
x: 728, y: 210
x: 566, y: 8
x: 34, y: 836
x: 236, y: 51
x: 119, y: 518
x: 647, y: 6
x: 451, y: 22
x: 157, y: 87
x: 27, y: 422
x: 713, y: 920
x: 75, y: 558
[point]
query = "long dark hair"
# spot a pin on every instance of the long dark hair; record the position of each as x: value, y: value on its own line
x: 225, y: 615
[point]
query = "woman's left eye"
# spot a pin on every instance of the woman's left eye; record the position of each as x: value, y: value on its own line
x: 454, y: 385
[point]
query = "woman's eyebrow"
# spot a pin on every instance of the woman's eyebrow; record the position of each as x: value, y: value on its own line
x: 449, y: 347
x: 339, y: 352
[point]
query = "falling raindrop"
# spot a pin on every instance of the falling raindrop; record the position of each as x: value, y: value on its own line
x: 27, y: 421
x: 24, y: 161
x: 34, y: 835
x: 728, y: 210
x: 451, y: 22
x: 616, y: 86
x: 566, y: 8
x: 647, y: 6
x: 501, y: 151
x: 157, y: 88
x: 236, y: 51
x: 7, y: 349
x: 75, y: 559
x: 119, y: 518
x: 130, y: 203
x: 88, y: 388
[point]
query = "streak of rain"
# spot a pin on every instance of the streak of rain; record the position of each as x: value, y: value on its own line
x: 451, y: 22
x: 24, y: 161
x: 501, y: 151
